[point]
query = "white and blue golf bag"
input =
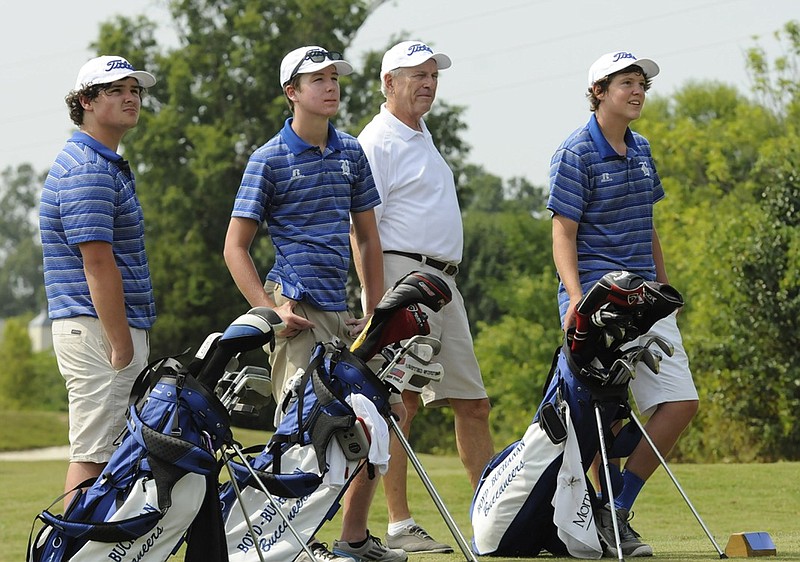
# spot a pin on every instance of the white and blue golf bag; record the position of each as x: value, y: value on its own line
x: 534, y: 495
x: 160, y: 486
x: 333, y: 426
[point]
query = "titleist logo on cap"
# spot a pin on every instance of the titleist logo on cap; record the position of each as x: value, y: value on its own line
x: 623, y: 55
x: 419, y: 47
x: 118, y: 63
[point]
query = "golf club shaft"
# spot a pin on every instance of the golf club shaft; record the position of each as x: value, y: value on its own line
x: 448, y: 519
x: 678, y: 486
x: 607, y: 473
x: 238, y: 492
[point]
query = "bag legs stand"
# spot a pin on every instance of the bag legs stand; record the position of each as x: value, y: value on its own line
x: 270, y: 497
x: 607, y: 473
x: 663, y: 462
x: 448, y: 519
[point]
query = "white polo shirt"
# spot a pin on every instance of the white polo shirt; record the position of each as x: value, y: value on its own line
x: 419, y: 210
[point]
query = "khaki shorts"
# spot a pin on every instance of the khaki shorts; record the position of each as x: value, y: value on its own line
x: 674, y: 382
x: 294, y: 353
x: 462, y: 375
x: 98, y: 393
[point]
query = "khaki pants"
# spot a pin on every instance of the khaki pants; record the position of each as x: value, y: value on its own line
x: 294, y: 353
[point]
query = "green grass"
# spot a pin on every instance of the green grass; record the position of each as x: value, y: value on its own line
x: 729, y: 498
x: 26, y: 430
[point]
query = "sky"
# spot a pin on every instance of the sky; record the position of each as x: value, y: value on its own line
x: 519, y: 66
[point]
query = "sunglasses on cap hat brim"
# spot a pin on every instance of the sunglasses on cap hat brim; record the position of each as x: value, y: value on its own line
x: 315, y: 55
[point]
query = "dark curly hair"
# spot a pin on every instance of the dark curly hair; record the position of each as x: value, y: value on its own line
x: 594, y: 103
x: 73, y: 100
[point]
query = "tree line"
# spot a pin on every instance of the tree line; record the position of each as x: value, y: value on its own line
x: 730, y: 164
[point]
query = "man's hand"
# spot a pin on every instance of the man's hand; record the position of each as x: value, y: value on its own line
x: 569, y: 316
x: 294, y: 323
x: 122, y: 356
x: 357, y: 325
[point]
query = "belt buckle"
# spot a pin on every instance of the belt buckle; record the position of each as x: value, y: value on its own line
x: 450, y: 269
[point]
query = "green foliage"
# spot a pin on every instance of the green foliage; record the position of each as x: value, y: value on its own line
x: 775, y: 82
x: 28, y: 380
x: 16, y: 357
x: 498, y: 248
x: 21, y: 287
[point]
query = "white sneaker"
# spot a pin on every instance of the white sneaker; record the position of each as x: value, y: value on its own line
x: 371, y: 551
x: 416, y: 539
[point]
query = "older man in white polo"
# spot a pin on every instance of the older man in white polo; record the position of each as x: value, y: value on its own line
x: 420, y: 227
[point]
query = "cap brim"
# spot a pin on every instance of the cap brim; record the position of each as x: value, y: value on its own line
x: 442, y: 61
x: 146, y: 80
x: 649, y: 67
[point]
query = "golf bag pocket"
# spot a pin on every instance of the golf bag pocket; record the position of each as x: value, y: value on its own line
x: 153, y: 486
x: 354, y: 441
x: 533, y: 496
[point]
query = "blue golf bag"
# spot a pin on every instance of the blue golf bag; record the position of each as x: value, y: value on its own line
x: 534, y: 495
x: 160, y: 485
x: 333, y: 426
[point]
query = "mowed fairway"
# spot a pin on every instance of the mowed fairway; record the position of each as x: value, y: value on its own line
x: 730, y: 498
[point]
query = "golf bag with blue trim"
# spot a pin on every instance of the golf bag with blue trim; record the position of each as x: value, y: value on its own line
x: 534, y: 495
x: 333, y: 426
x: 161, y: 482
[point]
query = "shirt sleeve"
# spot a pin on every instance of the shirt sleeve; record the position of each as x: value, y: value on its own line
x: 569, y: 185
x: 88, y: 199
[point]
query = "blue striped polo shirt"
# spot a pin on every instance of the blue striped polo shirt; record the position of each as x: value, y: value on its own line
x: 611, y: 197
x: 306, y: 197
x: 90, y: 195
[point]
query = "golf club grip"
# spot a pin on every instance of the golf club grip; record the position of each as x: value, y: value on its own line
x: 584, y: 310
x: 213, y: 370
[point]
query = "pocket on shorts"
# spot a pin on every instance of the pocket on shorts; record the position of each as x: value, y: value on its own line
x: 68, y: 331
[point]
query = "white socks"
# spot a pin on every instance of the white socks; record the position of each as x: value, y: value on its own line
x: 395, y: 528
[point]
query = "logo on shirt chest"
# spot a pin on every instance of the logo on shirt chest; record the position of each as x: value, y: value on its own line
x: 645, y: 168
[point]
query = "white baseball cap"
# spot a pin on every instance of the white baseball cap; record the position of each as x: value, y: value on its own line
x: 619, y: 60
x: 411, y: 53
x: 305, y: 60
x: 107, y: 69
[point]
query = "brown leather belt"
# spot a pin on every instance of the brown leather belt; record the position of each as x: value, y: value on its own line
x: 444, y: 267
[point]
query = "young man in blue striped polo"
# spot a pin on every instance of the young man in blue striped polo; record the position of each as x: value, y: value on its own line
x: 603, y: 186
x: 307, y: 183
x: 97, y: 278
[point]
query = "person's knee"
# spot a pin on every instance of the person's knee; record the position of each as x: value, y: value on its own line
x: 678, y: 414
x: 473, y: 410
x: 411, y: 403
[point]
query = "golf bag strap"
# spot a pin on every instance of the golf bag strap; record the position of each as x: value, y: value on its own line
x: 150, y: 376
x: 104, y: 531
x: 296, y: 436
x: 552, y: 371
